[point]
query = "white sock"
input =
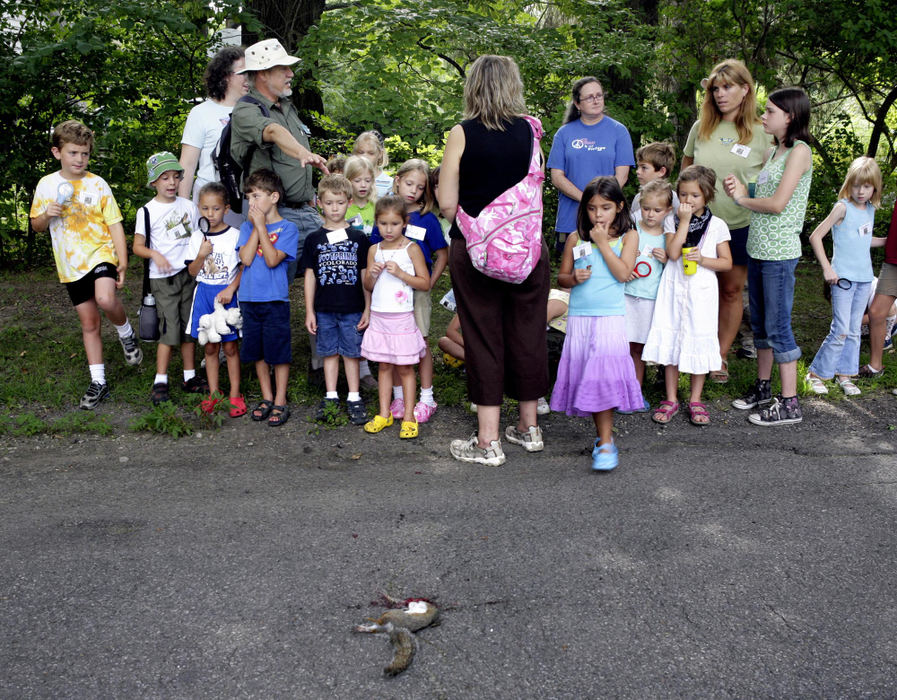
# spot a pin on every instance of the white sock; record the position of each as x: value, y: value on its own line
x: 97, y: 373
x: 426, y: 396
x: 161, y: 379
x: 331, y: 395
x: 363, y: 369
x: 353, y: 396
x: 124, y: 330
x: 189, y: 374
x: 397, y: 392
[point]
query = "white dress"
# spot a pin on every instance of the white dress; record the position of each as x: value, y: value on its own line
x: 684, y: 328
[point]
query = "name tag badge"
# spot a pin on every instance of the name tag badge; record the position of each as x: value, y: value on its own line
x: 647, y: 251
x: 866, y: 229
x: 763, y: 177
x: 581, y: 250
x: 448, y: 301
x: 88, y: 199
x: 418, y: 233
x: 337, y: 236
x: 179, y: 231
x: 739, y: 149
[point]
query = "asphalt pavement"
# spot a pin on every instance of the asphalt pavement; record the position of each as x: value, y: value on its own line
x: 724, y: 561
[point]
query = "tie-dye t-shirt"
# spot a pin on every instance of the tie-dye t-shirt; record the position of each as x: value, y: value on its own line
x: 80, y: 237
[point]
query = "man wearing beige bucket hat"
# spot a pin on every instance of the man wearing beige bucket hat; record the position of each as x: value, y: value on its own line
x: 280, y: 139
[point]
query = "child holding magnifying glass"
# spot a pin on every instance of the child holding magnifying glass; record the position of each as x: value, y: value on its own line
x: 849, y: 272
x: 656, y: 201
x: 595, y: 374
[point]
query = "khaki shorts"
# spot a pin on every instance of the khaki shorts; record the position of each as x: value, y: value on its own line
x: 174, y: 302
x: 423, y: 310
x: 887, y: 280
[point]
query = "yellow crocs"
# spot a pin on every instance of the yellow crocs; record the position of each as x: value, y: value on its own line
x: 377, y: 423
x: 409, y: 429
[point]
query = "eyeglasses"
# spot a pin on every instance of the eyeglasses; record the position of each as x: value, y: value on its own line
x: 597, y: 97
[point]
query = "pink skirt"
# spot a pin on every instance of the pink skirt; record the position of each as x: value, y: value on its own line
x: 596, y: 371
x: 393, y: 338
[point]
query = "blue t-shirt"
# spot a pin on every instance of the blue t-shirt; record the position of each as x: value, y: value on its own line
x: 260, y: 282
x: 433, y: 239
x: 584, y: 152
x: 851, y: 240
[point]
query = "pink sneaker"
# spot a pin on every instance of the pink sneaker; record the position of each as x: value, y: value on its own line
x: 397, y: 408
x: 423, y: 411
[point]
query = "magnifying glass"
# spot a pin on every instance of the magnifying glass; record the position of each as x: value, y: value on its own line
x: 64, y: 192
x: 844, y: 284
x: 203, y: 225
x: 642, y: 268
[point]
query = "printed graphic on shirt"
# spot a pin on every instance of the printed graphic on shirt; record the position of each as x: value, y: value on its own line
x: 588, y: 144
x: 338, y: 264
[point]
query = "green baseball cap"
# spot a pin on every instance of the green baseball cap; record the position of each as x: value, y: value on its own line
x: 159, y: 163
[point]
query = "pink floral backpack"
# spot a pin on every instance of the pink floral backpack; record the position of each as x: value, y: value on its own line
x: 505, y: 240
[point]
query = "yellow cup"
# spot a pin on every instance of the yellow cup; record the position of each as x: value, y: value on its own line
x: 689, y: 267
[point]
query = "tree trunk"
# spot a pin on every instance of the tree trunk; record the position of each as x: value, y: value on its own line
x: 880, y: 125
x: 288, y: 21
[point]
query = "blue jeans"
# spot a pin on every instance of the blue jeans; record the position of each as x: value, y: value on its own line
x: 840, y: 351
x: 308, y: 221
x: 771, y: 293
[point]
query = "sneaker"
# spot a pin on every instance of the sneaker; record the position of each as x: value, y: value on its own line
x: 397, y: 408
x: 468, y: 451
x: 784, y: 412
x: 195, y: 385
x: 473, y: 408
x: 131, y: 348
x: 542, y: 407
x: 604, y: 457
x: 889, y: 344
x: 95, y: 393
x: 358, y: 413
x: 869, y: 372
x: 760, y: 395
x: 321, y: 413
x: 423, y: 411
x: 159, y: 394
x: 531, y: 440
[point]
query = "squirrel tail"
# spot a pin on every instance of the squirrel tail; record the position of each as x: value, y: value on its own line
x: 404, y: 645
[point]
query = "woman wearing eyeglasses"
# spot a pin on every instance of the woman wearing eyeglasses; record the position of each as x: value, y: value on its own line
x: 588, y: 144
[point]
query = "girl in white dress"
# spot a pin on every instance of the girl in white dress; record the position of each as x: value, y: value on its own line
x: 683, y: 331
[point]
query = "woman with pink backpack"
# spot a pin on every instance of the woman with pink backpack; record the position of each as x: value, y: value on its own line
x: 498, y: 262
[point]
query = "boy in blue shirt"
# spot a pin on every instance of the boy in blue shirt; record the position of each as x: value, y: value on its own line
x: 266, y: 246
x: 337, y: 306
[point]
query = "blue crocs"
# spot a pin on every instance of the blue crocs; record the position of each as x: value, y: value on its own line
x: 644, y: 409
x: 604, y: 457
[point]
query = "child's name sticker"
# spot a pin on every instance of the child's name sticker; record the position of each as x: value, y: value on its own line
x: 179, y: 231
x: 581, y: 250
x: 763, y: 177
x: 337, y: 236
x: 739, y: 149
x: 418, y: 233
x: 448, y: 301
x: 647, y: 251
x: 88, y: 199
x: 866, y: 229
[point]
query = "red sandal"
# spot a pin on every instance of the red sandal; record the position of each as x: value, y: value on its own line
x: 665, y: 412
x: 697, y: 413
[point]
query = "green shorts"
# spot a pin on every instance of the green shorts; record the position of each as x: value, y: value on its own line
x: 174, y: 301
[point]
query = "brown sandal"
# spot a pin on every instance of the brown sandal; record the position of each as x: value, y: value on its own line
x: 721, y: 375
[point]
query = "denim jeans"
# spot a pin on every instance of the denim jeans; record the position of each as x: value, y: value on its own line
x: 771, y: 293
x: 840, y: 351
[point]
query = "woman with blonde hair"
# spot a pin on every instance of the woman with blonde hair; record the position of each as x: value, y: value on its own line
x: 728, y: 139
x: 503, y: 324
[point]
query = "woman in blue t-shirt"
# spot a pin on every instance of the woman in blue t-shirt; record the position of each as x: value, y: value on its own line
x: 589, y: 144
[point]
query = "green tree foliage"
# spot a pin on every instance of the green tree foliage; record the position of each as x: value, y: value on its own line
x: 129, y: 69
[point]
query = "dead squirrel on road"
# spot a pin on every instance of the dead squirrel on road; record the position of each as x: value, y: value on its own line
x: 399, y: 624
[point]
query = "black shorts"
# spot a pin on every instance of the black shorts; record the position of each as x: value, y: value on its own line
x: 83, y: 289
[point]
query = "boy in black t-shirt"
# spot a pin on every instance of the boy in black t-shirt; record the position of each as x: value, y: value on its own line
x: 337, y: 307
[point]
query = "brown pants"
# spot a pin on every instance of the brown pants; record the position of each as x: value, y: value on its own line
x: 504, y: 329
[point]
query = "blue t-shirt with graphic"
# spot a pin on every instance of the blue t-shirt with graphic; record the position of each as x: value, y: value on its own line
x: 260, y: 282
x: 584, y: 152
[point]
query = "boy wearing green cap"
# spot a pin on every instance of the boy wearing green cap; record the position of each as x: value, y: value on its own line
x: 170, y: 220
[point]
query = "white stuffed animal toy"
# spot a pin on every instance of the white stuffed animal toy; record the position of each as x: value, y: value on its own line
x: 218, y: 323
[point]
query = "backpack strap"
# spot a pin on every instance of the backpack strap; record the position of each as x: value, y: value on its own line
x: 250, y: 152
x: 146, y: 262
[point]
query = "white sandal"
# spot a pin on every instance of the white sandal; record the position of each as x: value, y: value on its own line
x: 816, y: 384
x: 850, y: 389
